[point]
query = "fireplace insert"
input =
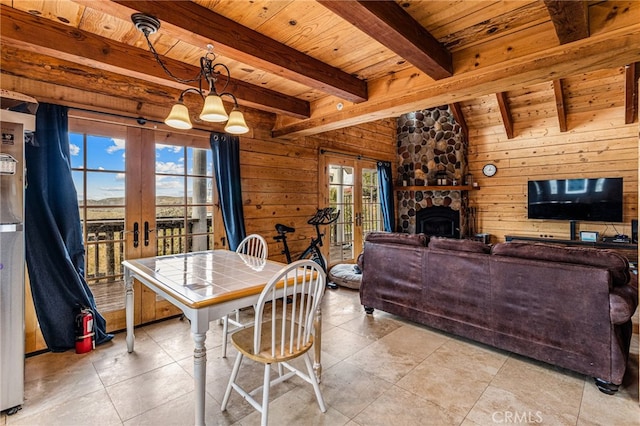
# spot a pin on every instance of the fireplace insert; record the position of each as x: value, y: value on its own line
x: 438, y: 221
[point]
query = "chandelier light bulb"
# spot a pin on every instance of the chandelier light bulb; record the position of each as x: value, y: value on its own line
x: 213, y: 110
x: 178, y: 118
x: 236, y: 124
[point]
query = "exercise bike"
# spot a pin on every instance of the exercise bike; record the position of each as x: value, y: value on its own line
x: 324, y: 216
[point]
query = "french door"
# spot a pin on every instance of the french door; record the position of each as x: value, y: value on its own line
x: 141, y: 193
x: 352, y: 188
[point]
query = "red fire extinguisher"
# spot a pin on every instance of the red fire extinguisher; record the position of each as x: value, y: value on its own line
x: 85, y: 336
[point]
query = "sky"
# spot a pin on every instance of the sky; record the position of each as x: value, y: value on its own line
x: 105, y: 158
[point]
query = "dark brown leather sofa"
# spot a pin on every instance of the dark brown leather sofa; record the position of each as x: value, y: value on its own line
x: 570, y: 307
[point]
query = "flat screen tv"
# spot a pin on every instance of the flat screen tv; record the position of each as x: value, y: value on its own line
x: 597, y: 200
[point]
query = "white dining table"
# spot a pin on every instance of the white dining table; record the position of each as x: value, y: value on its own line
x: 206, y: 286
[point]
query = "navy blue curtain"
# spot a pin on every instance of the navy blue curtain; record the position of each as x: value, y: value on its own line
x: 385, y: 186
x: 226, y: 165
x: 53, y: 234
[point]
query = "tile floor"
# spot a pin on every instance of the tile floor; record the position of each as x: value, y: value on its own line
x: 378, y: 370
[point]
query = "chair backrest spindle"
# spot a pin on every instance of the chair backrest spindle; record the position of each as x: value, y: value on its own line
x: 295, y: 293
x: 253, y: 245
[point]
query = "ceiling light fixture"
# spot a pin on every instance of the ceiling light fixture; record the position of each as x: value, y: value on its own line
x: 213, y: 110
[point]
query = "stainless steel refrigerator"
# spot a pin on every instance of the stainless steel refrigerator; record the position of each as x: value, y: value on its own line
x: 12, y: 257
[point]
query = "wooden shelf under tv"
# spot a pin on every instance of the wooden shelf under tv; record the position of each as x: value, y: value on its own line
x: 437, y: 188
x: 628, y: 250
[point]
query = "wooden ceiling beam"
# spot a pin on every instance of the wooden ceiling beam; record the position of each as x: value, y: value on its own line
x: 570, y: 19
x: 389, y: 24
x: 38, y: 67
x: 404, y: 92
x: 505, y: 113
x: 631, y: 75
x: 560, y: 110
x: 31, y: 33
x: 456, y: 110
x: 199, y: 26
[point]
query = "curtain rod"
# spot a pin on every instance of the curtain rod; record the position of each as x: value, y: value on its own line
x: 356, y: 156
x: 140, y: 121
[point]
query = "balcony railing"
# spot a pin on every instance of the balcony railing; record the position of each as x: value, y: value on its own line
x: 105, y: 242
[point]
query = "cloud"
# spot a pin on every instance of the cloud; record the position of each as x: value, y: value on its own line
x: 74, y: 150
x: 118, y: 145
x: 168, y: 184
x: 169, y: 168
x: 172, y: 148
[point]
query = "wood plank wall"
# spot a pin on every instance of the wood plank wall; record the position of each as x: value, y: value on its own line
x: 281, y: 181
x: 597, y: 143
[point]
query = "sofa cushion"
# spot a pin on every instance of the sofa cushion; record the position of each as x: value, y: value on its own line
x: 398, y: 238
x: 458, y: 245
x: 617, y: 264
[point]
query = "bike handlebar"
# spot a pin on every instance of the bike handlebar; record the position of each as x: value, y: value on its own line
x: 324, y: 216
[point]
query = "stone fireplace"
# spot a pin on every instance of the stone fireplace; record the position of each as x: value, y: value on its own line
x: 431, y: 145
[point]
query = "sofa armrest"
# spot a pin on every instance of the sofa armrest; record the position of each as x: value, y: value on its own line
x: 623, y: 301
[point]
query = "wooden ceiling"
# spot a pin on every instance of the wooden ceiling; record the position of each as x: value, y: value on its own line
x: 322, y: 65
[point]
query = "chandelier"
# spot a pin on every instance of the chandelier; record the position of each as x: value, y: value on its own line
x: 213, y: 110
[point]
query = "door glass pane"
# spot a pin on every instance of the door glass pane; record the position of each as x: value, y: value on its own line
x: 105, y: 153
x: 104, y: 188
x: 371, y: 212
x: 170, y: 202
x: 104, y: 246
x: 76, y: 150
x: 341, y: 198
x: 100, y: 188
x: 78, y: 181
x: 184, y: 199
x: 199, y: 211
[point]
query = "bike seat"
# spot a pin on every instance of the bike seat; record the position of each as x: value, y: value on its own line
x: 283, y: 229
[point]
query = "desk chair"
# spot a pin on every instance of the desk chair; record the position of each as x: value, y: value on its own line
x: 281, y: 331
x: 252, y: 245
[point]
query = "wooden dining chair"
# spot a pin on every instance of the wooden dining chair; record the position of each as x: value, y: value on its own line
x: 282, y: 330
x: 252, y: 245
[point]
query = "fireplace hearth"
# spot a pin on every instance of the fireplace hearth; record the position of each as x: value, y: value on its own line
x: 438, y: 221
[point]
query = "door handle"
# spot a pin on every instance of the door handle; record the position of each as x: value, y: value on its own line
x: 136, y: 233
x: 358, y: 219
x: 146, y: 233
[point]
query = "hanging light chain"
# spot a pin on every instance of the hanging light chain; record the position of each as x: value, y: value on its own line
x: 212, y: 75
x: 156, y: 55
